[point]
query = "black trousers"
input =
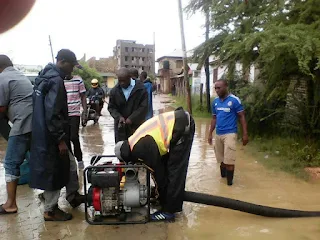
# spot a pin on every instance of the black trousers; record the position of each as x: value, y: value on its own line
x: 171, y: 174
x: 74, y: 125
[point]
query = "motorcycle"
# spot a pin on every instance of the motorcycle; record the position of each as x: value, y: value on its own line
x: 92, y: 111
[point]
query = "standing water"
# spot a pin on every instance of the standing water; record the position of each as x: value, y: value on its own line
x: 253, y: 183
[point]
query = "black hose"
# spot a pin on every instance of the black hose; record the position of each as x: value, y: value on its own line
x: 246, y: 207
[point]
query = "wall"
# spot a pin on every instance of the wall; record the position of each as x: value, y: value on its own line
x: 111, y: 82
x: 175, y: 64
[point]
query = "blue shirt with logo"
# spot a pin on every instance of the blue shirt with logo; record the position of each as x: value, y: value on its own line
x: 226, y: 112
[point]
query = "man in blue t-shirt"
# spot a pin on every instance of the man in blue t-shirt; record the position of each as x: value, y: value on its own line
x: 226, y: 109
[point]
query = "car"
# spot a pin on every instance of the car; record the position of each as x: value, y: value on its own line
x: 32, y: 77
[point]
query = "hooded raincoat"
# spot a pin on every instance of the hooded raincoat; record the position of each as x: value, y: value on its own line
x: 48, y: 169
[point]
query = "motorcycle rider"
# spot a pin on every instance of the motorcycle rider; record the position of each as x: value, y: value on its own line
x: 96, y: 91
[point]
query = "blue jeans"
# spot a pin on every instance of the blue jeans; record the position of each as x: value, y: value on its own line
x: 17, y: 148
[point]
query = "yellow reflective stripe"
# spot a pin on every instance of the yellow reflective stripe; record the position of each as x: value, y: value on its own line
x: 137, y: 135
x: 168, y: 118
x: 163, y: 129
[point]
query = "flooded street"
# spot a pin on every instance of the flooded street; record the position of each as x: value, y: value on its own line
x: 253, y: 183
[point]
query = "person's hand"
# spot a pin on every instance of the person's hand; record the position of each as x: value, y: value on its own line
x: 128, y: 121
x: 122, y: 120
x: 63, y: 149
x: 210, y: 138
x: 245, y: 139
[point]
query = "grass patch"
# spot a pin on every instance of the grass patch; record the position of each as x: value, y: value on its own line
x: 286, y: 154
x: 197, y: 111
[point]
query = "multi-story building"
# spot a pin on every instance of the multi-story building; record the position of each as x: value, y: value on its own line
x: 133, y: 55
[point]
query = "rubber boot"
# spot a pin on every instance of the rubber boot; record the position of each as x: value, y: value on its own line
x: 223, y: 171
x: 230, y: 177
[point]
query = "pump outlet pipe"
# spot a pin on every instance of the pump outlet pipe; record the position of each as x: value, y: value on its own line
x: 246, y: 207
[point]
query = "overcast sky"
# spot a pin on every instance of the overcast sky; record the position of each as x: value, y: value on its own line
x: 93, y: 26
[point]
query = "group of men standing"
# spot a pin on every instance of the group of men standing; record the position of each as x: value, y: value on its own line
x: 46, y: 119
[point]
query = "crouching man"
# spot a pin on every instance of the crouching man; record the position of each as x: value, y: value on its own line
x: 163, y: 143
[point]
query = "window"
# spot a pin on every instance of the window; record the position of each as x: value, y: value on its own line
x: 126, y: 66
x: 143, y: 59
x: 126, y: 49
x: 132, y: 58
x: 142, y: 49
x: 126, y: 58
x: 133, y: 49
x: 142, y: 68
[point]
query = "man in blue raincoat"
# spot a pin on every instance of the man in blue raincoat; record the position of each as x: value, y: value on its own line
x: 52, y: 166
x: 148, y: 85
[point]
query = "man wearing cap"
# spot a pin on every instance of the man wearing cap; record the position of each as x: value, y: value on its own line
x: 163, y: 143
x: 52, y: 166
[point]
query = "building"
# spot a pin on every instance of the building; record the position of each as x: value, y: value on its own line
x: 170, y: 65
x: 130, y: 54
x: 170, y: 74
x: 109, y: 80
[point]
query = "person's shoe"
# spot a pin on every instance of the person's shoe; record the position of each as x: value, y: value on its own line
x: 77, y: 200
x: 57, y: 215
x: 162, y: 217
x: 223, y: 171
x: 81, y: 165
x: 230, y: 177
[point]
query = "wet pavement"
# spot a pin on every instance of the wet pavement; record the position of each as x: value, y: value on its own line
x: 253, y: 183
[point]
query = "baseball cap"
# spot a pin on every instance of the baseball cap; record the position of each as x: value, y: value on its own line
x: 68, y: 56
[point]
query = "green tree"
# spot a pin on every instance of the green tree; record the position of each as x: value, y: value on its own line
x: 282, y: 39
x: 87, y: 74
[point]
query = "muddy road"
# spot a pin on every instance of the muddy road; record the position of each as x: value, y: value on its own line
x: 252, y: 183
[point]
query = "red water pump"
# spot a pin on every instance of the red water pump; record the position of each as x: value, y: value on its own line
x: 116, y: 193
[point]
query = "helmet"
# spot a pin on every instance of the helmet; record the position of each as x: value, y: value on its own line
x: 94, y: 83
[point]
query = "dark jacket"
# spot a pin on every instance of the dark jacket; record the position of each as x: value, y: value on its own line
x: 48, y: 170
x: 135, y: 109
x: 96, y: 92
x: 148, y: 85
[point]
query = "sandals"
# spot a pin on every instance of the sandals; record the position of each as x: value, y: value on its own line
x: 57, y: 215
x: 162, y: 217
x: 4, y: 212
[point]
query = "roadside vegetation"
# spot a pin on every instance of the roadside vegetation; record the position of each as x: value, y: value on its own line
x: 281, y: 39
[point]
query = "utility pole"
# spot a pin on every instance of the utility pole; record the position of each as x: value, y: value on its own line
x: 154, y: 54
x: 185, y: 60
x: 206, y: 64
x: 51, y: 49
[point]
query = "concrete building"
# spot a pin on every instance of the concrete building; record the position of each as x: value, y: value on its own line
x: 131, y: 54
x: 170, y: 65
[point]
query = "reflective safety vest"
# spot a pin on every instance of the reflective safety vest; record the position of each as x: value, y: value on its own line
x: 160, y: 128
